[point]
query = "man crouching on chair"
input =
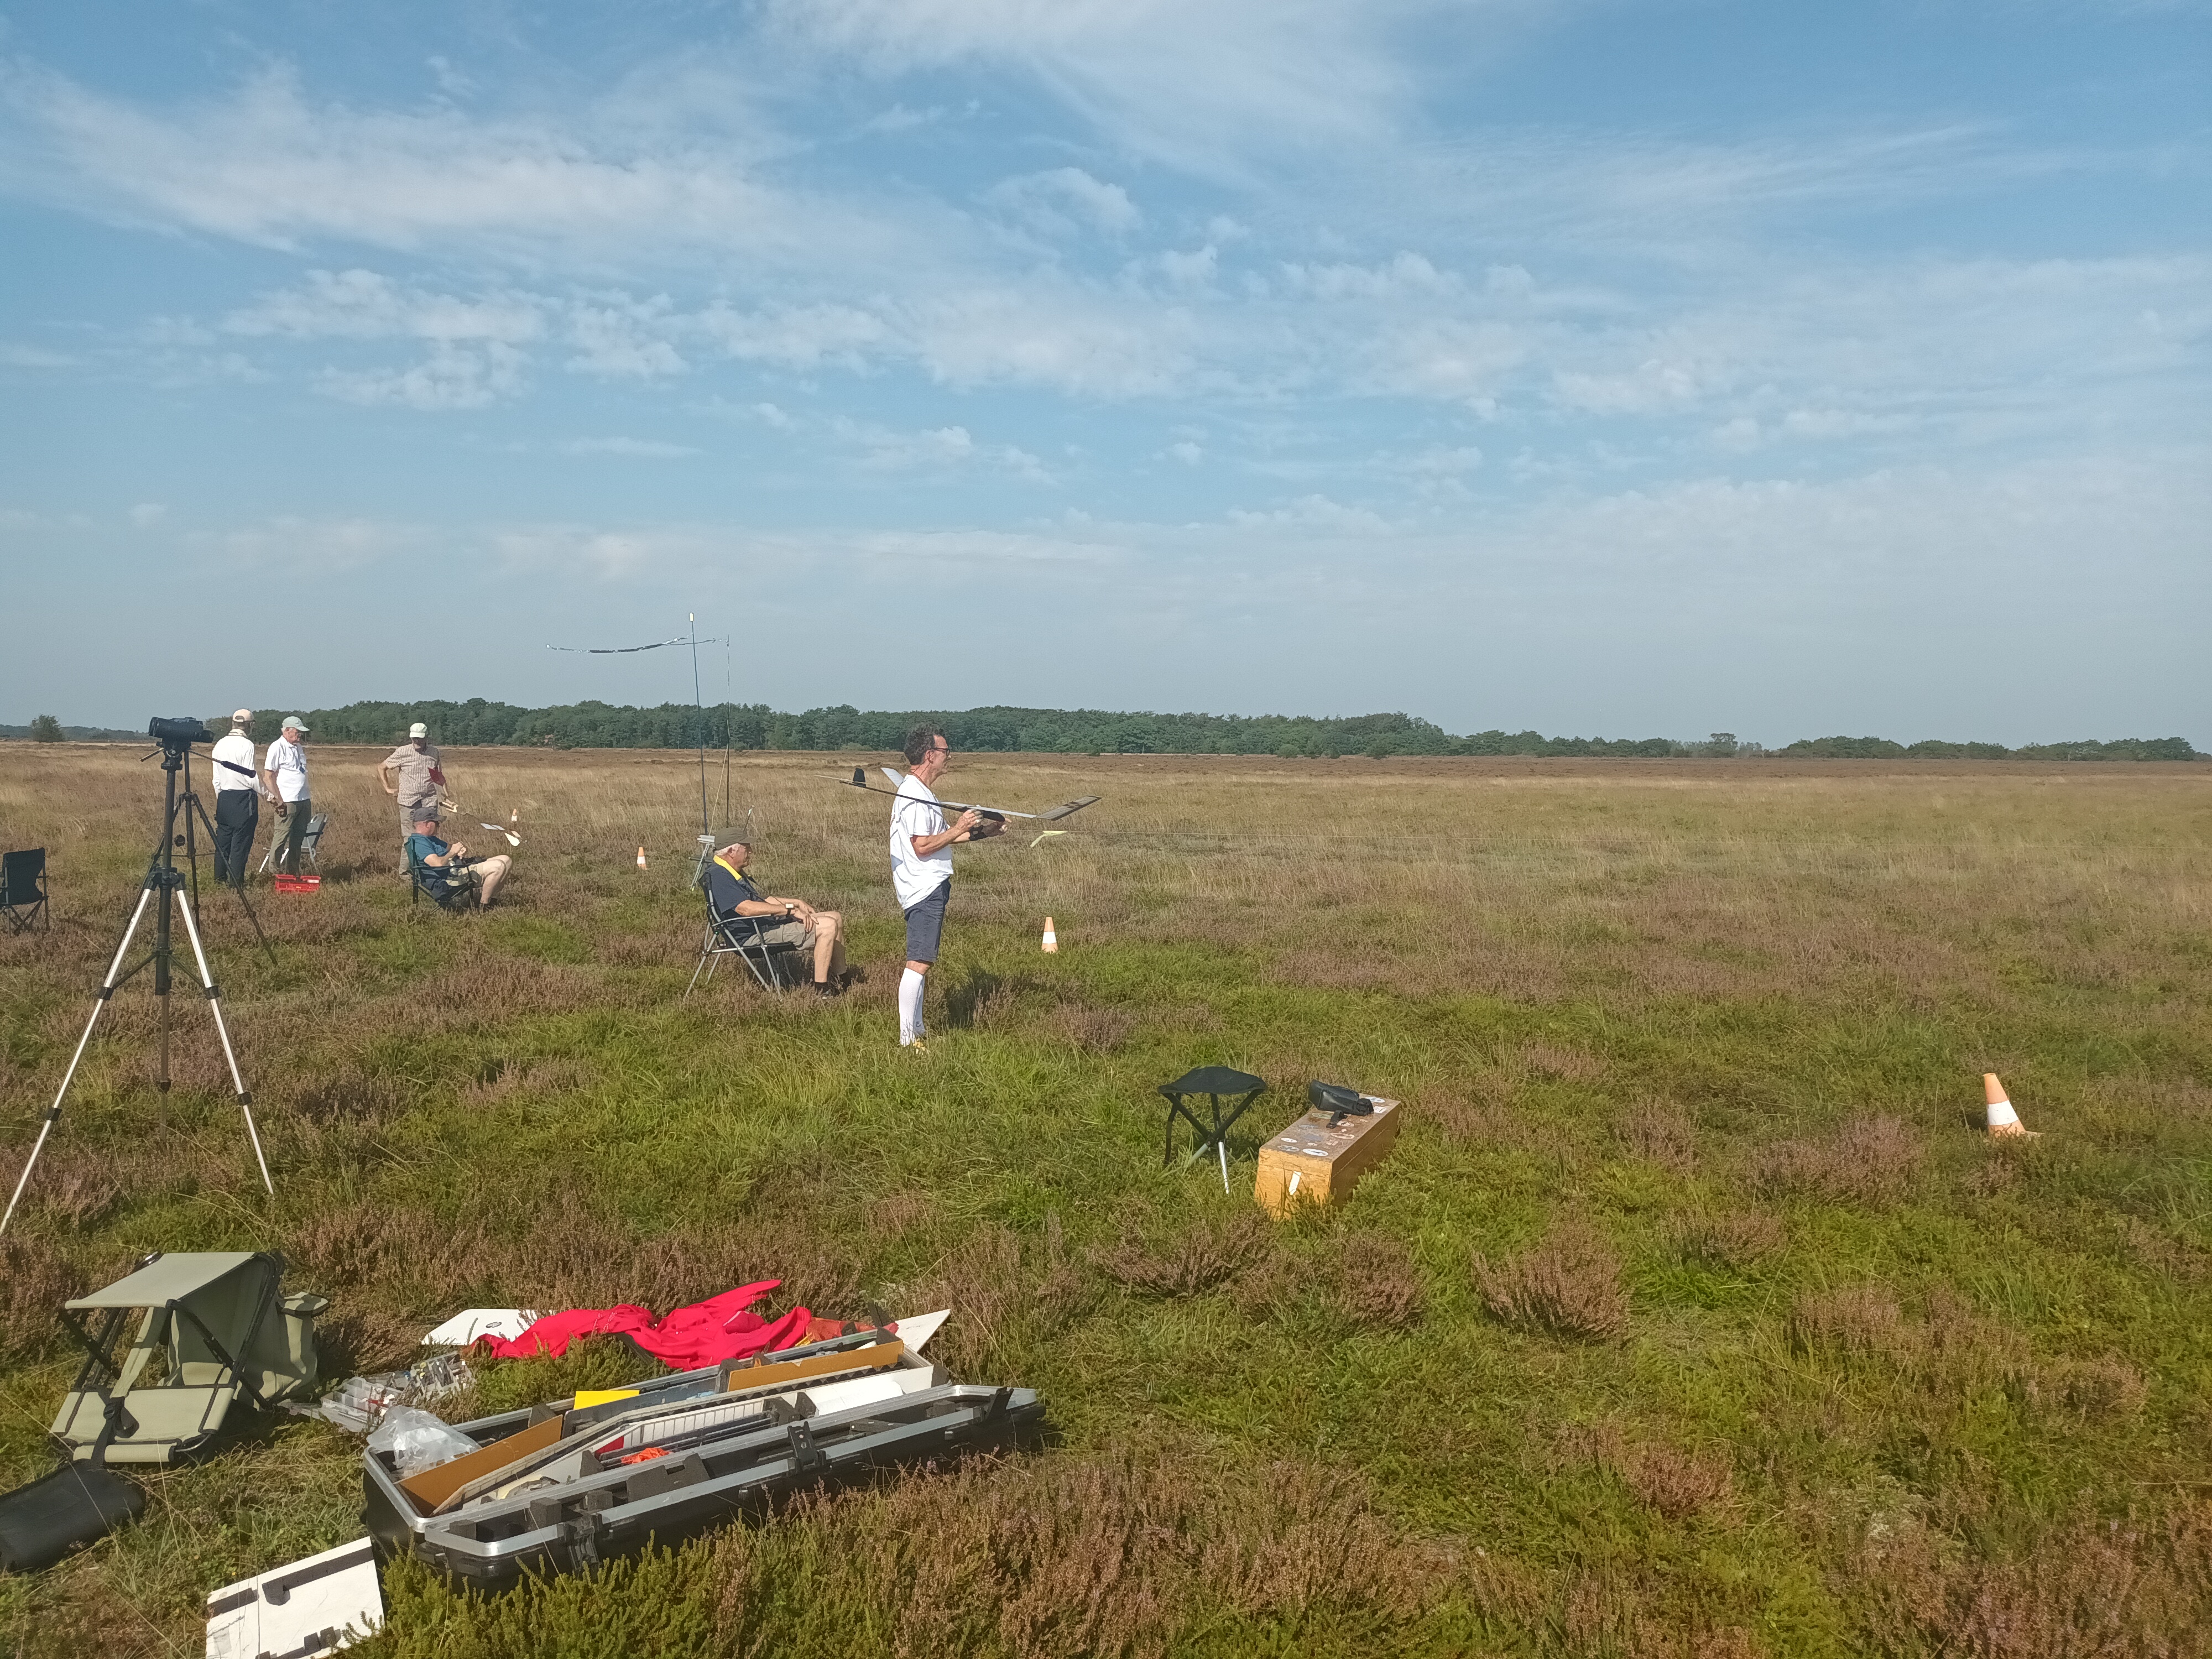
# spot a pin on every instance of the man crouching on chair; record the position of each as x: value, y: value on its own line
x: 733, y: 894
x: 444, y: 862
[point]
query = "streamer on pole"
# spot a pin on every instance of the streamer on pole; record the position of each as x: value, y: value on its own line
x: 698, y: 700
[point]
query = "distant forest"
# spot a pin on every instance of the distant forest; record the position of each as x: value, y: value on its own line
x: 1078, y: 731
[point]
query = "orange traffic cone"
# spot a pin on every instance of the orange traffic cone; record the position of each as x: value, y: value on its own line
x: 2004, y: 1121
x: 1051, y: 938
x: 640, y: 858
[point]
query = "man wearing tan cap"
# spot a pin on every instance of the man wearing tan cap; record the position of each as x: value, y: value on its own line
x: 412, y: 774
x: 237, y: 800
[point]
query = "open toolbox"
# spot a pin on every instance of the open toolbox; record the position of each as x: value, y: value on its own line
x: 559, y: 1487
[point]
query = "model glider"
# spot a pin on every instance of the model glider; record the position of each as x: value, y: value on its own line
x: 998, y: 814
x: 626, y: 650
x: 513, y: 840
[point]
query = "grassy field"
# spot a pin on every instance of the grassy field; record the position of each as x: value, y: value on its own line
x: 1692, y: 1314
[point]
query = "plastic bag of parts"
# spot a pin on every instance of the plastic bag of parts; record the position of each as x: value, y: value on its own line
x: 417, y: 1441
x: 361, y: 1402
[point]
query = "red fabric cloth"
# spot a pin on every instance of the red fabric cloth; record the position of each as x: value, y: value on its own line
x: 707, y: 1333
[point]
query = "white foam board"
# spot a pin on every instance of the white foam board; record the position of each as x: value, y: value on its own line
x: 318, y: 1604
x: 466, y: 1326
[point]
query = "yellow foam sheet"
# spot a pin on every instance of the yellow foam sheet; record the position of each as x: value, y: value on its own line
x: 600, y: 1396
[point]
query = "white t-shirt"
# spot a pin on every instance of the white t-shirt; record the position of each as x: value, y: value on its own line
x: 238, y: 749
x: 917, y: 814
x: 288, y: 761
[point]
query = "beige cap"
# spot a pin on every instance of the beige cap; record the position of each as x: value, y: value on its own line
x: 241, y: 716
x: 418, y: 730
x: 294, y: 723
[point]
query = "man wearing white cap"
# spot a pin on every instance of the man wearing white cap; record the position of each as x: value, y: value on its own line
x: 285, y: 770
x: 237, y: 800
x: 412, y: 774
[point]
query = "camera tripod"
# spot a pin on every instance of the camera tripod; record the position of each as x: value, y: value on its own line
x: 164, y: 891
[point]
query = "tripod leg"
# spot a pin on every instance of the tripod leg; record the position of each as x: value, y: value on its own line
x: 107, y: 991
x: 268, y: 950
x: 215, y: 1007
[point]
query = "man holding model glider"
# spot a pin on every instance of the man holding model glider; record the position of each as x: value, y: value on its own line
x: 922, y: 867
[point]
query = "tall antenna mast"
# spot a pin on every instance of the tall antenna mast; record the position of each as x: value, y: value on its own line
x: 706, y: 829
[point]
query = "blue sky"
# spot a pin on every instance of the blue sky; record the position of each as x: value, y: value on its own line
x: 1600, y: 368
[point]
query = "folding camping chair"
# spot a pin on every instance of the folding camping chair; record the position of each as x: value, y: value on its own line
x: 743, y: 936
x: 212, y: 1327
x: 23, y: 890
x: 448, y: 889
x: 314, y: 833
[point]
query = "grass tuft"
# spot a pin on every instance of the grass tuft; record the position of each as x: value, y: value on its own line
x: 1569, y: 1285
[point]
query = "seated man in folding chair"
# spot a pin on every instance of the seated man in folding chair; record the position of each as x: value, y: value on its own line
x: 732, y: 893
x: 445, y: 868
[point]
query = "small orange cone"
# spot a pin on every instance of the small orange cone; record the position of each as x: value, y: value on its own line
x: 1051, y: 938
x: 2004, y: 1121
x: 640, y: 858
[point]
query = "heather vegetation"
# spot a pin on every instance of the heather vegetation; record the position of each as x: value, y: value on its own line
x: 1691, y: 1314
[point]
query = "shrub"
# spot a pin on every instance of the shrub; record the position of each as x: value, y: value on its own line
x: 45, y: 728
x: 1195, y: 1260
x: 1371, y: 1280
x: 35, y: 1279
x: 1869, y: 1161
x: 1675, y: 1484
x: 1659, y: 1132
x: 1738, y: 1242
x: 1569, y: 1285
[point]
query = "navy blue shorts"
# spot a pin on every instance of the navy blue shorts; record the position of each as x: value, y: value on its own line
x: 925, y: 924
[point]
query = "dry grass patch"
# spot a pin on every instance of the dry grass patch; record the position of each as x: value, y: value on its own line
x: 1677, y: 1484
x: 1661, y: 1132
x: 1201, y: 1257
x: 1869, y: 1161
x: 1739, y: 1241
x: 2136, y: 1587
x: 35, y: 1279
x: 1569, y: 1285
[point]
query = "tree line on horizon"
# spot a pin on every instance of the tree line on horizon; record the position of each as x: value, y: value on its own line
x: 999, y: 730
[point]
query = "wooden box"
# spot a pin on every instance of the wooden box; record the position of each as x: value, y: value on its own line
x: 1310, y: 1162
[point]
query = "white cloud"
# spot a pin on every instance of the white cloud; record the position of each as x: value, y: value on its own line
x: 934, y: 450
x: 14, y: 355
x: 305, y: 545
x: 451, y: 377
x: 640, y: 448
x: 1314, y: 513
x: 1206, y: 87
x: 623, y: 338
x: 267, y: 166
x: 147, y: 514
x: 796, y: 336
x: 1064, y: 200
x: 364, y: 305
x: 1188, y: 453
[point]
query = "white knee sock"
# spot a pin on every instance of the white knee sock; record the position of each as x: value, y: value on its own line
x: 911, y: 988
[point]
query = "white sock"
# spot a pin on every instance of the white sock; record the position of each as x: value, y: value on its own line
x: 910, y: 987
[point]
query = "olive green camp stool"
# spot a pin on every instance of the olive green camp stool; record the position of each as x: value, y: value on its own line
x: 211, y: 1328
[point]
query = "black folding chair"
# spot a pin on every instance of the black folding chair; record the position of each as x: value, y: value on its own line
x: 745, y: 937
x: 446, y: 887
x: 23, y: 891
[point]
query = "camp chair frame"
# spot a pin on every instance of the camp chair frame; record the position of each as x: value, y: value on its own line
x: 113, y: 1413
x: 23, y: 890
x: 460, y: 892
x: 314, y: 833
x: 743, y: 936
